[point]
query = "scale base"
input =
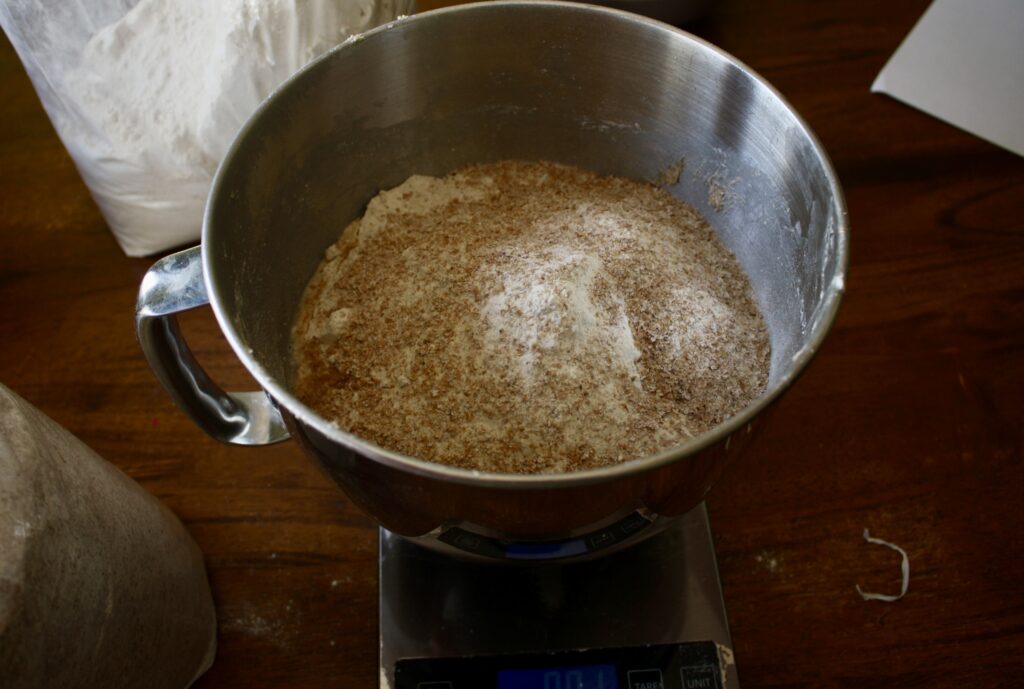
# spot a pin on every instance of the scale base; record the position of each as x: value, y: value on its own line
x: 463, y: 619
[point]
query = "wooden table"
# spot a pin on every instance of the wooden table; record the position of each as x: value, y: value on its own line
x: 908, y: 423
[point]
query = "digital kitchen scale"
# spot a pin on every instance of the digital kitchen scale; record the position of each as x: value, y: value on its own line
x: 647, y: 617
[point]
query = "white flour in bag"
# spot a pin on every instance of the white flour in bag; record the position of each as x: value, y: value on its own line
x: 161, y: 93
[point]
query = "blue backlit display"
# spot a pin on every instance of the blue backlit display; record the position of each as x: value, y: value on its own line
x: 577, y: 677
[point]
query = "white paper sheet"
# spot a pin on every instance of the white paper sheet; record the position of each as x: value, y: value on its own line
x: 964, y: 63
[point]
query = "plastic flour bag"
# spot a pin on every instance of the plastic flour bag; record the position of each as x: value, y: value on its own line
x: 147, y: 95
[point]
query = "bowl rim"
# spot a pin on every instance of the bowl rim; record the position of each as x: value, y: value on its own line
x: 489, y: 479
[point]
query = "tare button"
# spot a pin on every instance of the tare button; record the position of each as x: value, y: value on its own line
x: 645, y: 679
x: 699, y: 677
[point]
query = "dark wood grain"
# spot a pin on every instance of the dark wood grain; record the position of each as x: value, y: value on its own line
x: 908, y: 423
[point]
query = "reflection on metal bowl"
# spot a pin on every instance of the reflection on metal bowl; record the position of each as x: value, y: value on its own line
x: 587, y: 86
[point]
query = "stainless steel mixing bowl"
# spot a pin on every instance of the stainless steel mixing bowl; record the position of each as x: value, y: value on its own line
x: 597, y: 88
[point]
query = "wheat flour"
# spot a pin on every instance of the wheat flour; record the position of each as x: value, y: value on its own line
x: 157, y: 97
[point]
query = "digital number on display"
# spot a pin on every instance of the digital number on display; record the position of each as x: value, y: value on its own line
x: 580, y: 677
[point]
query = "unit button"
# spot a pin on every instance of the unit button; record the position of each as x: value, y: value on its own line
x: 699, y: 677
x: 645, y: 679
x: 600, y: 539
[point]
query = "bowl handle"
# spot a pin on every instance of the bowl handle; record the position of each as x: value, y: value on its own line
x: 174, y: 284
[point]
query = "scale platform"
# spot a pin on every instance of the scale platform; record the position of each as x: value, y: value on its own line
x: 648, y: 617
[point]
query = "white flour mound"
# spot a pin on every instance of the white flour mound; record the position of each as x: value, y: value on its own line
x: 159, y: 95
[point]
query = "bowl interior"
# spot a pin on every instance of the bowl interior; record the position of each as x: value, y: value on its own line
x: 599, y: 89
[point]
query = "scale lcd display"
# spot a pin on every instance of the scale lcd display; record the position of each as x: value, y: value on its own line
x: 575, y: 677
x: 687, y: 665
